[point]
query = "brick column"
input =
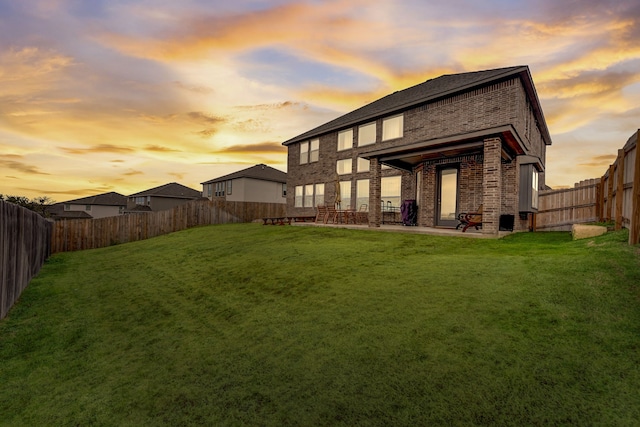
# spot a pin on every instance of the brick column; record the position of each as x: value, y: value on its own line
x: 492, y: 185
x: 375, y: 214
x: 428, y: 209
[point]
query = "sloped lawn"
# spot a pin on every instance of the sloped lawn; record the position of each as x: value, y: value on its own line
x: 261, y: 325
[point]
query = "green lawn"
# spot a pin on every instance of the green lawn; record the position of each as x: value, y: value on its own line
x: 260, y: 325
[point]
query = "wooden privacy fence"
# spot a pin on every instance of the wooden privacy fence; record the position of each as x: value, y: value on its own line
x: 614, y: 197
x: 620, y: 195
x: 558, y: 210
x: 79, y: 234
x: 25, y: 239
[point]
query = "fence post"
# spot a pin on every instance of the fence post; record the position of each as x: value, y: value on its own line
x: 608, y: 216
x: 619, y: 188
x: 634, y: 235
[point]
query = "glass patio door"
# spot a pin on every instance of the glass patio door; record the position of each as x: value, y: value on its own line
x: 447, y: 202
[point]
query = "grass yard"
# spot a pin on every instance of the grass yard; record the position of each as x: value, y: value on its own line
x: 253, y: 325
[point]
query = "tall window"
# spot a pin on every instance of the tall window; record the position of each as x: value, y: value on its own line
x: 220, y: 188
x: 362, y: 193
x: 345, y: 140
x: 343, y: 166
x: 345, y: 194
x: 390, y: 190
x: 308, y: 196
x: 304, y: 153
x: 319, y: 195
x: 299, y: 196
x: 314, y: 153
x: 209, y: 190
x: 534, y: 190
x: 367, y: 134
x: 392, y: 127
x: 284, y: 189
x: 229, y: 185
x: 363, y: 165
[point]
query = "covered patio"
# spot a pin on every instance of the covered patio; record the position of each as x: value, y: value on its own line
x: 455, y: 174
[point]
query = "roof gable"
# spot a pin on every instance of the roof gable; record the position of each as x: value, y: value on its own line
x: 260, y: 172
x: 441, y: 87
x: 106, y: 199
x: 173, y: 190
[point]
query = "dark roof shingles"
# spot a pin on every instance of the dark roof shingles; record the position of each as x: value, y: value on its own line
x: 173, y: 190
x: 445, y: 85
x: 261, y: 172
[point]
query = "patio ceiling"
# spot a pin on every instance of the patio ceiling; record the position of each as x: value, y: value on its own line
x: 408, y: 156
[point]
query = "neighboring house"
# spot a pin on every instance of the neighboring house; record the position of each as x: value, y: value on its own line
x: 100, y: 206
x: 259, y: 183
x: 452, y: 143
x: 161, y: 198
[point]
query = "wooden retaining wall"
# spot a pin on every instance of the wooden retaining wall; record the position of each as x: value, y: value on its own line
x: 25, y: 239
x: 80, y: 234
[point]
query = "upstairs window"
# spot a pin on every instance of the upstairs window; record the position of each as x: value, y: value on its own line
x: 229, y: 187
x: 315, y: 150
x: 345, y: 140
x: 343, y: 166
x: 304, y: 153
x: 363, y: 165
x: 392, y: 127
x: 284, y: 189
x: 367, y: 134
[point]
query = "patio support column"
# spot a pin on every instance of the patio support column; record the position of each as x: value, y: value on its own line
x: 374, y: 193
x: 492, y: 185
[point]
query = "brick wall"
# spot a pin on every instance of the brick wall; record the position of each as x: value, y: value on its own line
x: 496, y: 105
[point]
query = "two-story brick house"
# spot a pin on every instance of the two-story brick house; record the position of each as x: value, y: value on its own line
x: 452, y: 143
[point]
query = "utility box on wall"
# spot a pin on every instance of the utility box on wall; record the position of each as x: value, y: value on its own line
x: 528, y: 202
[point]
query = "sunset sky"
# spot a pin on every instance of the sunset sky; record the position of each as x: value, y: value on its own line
x: 125, y: 95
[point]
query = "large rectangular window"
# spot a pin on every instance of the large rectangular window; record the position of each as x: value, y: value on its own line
x: 314, y: 152
x: 392, y: 127
x: 299, y: 196
x: 319, y: 194
x: 344, y: 166
x: 367, y: 134
x: 345, y: 194
x: 363, y: 165
x: 362, y: 194
x: 345, y: 140
x: 304, y: 153
x: 390, y: 190
x: 308, y: 196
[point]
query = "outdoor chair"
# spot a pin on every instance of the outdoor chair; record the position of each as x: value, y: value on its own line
x: 322, y: 213
x: 470, y: 219
x: 332, y: 215
x: 362, y: 216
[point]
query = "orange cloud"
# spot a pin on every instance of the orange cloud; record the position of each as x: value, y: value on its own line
x: 13, y: 161
x: 262, y: 148
x: 100, y: 148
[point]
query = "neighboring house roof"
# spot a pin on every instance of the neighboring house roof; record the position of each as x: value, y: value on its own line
x: 261, y: 171
x: 106, y: 199
x: 173, y: 190
x: 57, y: 212
x: 441, y: 87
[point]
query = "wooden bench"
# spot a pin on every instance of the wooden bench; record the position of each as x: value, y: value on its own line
x: 470, y: 219
x: 278, y: 220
